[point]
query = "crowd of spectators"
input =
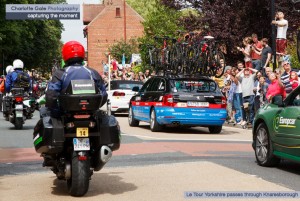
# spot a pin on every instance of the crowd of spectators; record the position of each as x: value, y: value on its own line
x: 126, y: 72
x: 252, y: 83
x: 250, y: 86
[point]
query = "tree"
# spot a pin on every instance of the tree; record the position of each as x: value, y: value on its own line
x: 142, y: 7
x: 36, y: 42
x: 232, y: 20
x: 122, y: 47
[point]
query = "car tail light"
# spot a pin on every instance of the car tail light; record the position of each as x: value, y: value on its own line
x: 19, y: 99
x: 223, y: 102
x: 119, y: 93
x: 168, y: 100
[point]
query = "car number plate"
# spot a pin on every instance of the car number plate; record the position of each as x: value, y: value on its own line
x: 82, y: 132
x: 81, y: 144
x: 198, y: 104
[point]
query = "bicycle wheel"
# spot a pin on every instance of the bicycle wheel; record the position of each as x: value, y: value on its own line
x: 156, y: 60
x: 191, y: 60
x: 220, y: 60
x: 174, y: 59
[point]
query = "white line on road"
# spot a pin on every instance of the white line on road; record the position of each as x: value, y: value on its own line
x: 174, y: 139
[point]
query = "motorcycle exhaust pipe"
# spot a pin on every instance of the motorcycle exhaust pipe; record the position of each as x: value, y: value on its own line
x: 104, y: 156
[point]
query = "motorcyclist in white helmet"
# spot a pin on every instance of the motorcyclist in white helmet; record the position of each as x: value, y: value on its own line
x: 17, y: 78
x: 2, y: 84
x: 9, y: 69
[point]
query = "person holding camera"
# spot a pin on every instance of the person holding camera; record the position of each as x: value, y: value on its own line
x: 256, y: 48
x: 282, y: 26
x: 247, y: 84
x: 246, y: 51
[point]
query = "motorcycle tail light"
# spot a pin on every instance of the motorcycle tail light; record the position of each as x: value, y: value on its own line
x: 92, y: 124
x: 70, y: 125
x: 19, y: 99
x: 82, y: 158
x: 81, y: 116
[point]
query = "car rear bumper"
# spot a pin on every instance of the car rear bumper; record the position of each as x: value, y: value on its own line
x: 191, y: 116
x: 119, y: 104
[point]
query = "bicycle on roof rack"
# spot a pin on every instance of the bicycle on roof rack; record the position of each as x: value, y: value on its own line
x: 193, y: 56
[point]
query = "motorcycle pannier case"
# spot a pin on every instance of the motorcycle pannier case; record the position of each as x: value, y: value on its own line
x: 109, y: 131
x: 6, y: 104
x: 50, y: 138
x: 81, y: 95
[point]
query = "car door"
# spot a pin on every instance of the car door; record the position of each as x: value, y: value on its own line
x: 287, y: 124
x: 149, y: 97
x: 139, y: 100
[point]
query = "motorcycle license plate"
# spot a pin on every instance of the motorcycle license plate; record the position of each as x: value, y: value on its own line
x: 81, y: 144
x: 82, y: 132
x: 19, y: 107
x: 19, y: 113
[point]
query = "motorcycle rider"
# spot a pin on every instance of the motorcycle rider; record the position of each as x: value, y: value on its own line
x: 9, y: 69
x: 73, y: 54
x: 17, y: 78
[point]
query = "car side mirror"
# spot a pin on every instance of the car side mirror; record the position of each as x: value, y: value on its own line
x: 136, y: 88
x: 278, y: 100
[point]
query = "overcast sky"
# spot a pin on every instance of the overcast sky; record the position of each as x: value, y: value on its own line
x: 74, y: 28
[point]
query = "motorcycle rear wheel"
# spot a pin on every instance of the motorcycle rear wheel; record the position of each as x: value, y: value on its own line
x: 78, y: 184
x: 19, y: 123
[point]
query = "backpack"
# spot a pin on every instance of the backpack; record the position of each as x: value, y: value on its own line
x: 22, y: 81
x: 2, y: 85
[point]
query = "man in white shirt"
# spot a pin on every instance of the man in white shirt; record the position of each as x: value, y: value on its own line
x: 282, y: 26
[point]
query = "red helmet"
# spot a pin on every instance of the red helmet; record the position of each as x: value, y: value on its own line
x: 72, y: 49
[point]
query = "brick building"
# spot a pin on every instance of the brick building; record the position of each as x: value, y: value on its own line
x: 106, y: 25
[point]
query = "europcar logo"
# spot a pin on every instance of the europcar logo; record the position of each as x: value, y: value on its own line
x: 276, y: 123
x: 283, y: 122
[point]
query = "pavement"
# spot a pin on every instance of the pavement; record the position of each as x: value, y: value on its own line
x: 167, y: 182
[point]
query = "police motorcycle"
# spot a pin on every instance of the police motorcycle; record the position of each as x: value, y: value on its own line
x: 81, y: 140
x: 31, y: 104
x: 14, y: 110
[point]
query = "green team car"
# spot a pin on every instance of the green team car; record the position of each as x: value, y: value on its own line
x: 276, y: 130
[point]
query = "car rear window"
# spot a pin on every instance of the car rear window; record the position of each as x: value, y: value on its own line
x: 193, y: 86
x: 126, y: 85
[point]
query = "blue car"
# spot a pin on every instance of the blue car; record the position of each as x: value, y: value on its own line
x: 177, y: 101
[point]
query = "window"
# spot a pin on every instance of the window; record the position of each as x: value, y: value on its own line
x: 146, y: 86
x: 118, y: 12
x: 193, y: 86
x: 294, y: 99
x: 128, y: 85
x: 162, y: 85
x: 155, y: 84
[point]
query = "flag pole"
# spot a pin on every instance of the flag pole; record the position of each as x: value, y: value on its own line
x: 109, y: 72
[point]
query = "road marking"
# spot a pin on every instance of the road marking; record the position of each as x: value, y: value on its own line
x: 174, y: 139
